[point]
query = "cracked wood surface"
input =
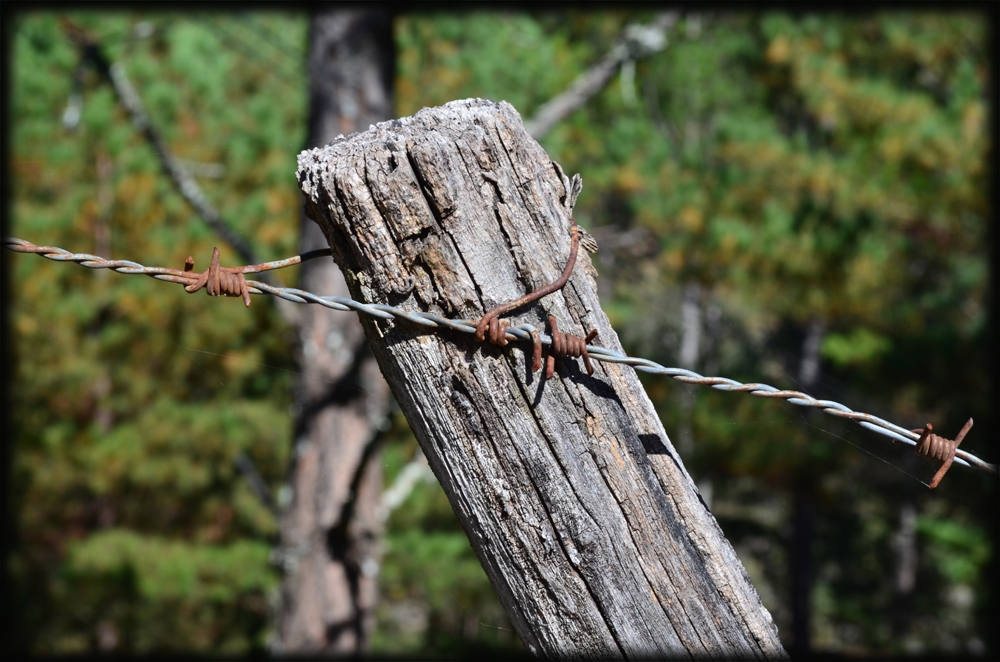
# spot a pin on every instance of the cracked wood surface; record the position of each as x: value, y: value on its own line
x: 572, y: 496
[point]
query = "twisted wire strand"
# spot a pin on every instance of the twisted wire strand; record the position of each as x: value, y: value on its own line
x: 522, y: 332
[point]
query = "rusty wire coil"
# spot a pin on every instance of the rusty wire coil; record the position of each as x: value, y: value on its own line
x: 496, y: 329
x: 220, y: 281
x: 569, y: 345
x: 939, y: 448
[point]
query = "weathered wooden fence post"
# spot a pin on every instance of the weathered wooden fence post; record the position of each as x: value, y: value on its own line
x: 577, y: 505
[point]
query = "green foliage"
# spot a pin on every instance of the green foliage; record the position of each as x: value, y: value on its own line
x: 172, y: 570
x: 858, y: 346
x: 135, y: 530
x: 446, y: 56
x: 959, y: 550
x: 162, y: 592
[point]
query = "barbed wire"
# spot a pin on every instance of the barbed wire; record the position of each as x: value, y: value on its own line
x: 522, y: 332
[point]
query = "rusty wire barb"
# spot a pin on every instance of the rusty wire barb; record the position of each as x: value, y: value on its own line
x: 940, y: 449
x: 567, y: 344
x: 230, y: 281
x: 924, y: 442
x: 220, y: 281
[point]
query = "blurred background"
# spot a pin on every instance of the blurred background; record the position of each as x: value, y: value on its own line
x: 798, y: 200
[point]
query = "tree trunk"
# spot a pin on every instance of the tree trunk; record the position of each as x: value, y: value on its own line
x: 803, y: 517
x: 905, y: 544
x: 572, y: 496
x: 687, y: 358
x: 330, y: 533
x: 804, y: 509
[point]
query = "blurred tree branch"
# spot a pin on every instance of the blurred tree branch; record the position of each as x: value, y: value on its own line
x: 637, y: 41
x: 92, y: 52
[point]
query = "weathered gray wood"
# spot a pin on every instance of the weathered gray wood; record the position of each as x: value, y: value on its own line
x: 580, y: 511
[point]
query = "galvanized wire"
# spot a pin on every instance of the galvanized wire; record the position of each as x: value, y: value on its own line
x: 523, y: 332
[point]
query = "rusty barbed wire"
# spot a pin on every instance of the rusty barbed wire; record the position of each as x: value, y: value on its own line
x: 218, y: 280
x: 568, y: 345
x: 924, y: 442
x: 940, y: 449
